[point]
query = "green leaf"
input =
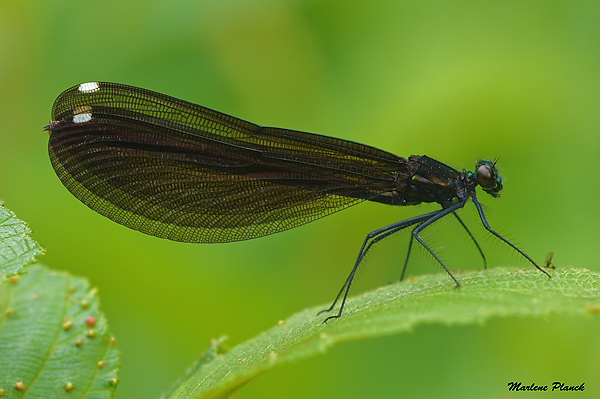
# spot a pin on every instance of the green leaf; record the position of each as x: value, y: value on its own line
x: 17, y: 248
x: 500, y: 292
x: 215, y: 349
x: 52, y: 334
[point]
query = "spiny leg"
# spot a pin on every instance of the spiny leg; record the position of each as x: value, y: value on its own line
x: 488, y: 228
x: 369, y: 240
x: 410, y: 243
x: 472, y: 238
x: 346, y: 286
x: 387, y: 233
x: 339, y: 294
x: 428, y: 222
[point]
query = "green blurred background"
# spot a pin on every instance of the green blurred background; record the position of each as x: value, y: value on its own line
x: 455, y: 80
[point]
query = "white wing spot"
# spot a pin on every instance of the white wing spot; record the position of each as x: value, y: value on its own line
x: 89, y: 87
x: 82, y: 118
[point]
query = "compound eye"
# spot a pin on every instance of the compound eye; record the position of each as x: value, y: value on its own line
x: 486, y: 177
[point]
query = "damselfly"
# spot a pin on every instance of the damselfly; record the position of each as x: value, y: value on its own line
x: 177, y: 170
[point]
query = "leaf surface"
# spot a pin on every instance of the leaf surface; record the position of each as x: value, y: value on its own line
x: 397, y: 308
x: 17, y: 248
x: 52, y: 334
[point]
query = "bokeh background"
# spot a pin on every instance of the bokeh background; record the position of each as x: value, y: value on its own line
x: 455, y: 80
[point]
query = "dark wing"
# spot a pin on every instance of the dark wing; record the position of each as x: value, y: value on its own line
x: 177, y: 170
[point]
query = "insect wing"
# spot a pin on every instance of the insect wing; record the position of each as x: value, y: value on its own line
x: 177, y: 170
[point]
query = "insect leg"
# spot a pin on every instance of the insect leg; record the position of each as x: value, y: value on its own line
x: 428, y: 222
x: 472, y: 238
x: 487, y: 226
x: 370, y: 239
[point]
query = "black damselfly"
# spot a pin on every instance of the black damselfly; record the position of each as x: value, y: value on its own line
x: 177, y: 170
